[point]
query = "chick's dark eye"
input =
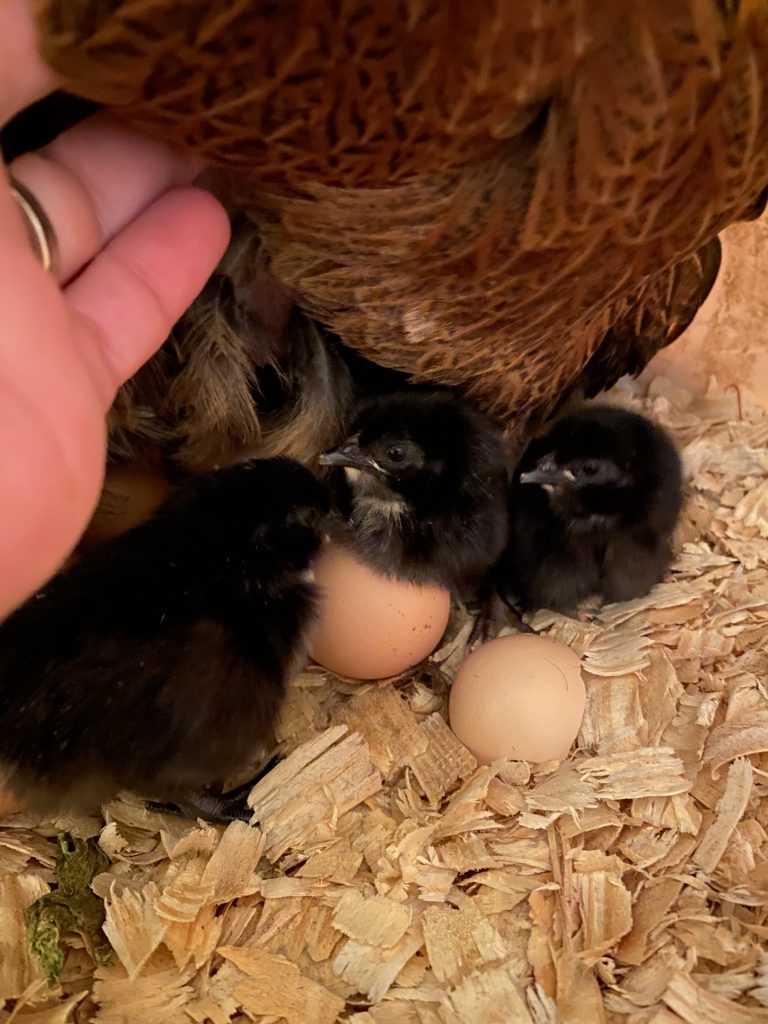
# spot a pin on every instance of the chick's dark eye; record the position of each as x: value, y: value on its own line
x: 307, y: 517
x: 396, y: 453
x: 590, y: 468
x: 310, y: 518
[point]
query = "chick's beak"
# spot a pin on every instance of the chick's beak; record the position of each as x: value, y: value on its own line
x: 349, y: 455
x: 548, y: 473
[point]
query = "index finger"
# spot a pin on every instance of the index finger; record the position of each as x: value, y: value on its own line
x: 24, y: 77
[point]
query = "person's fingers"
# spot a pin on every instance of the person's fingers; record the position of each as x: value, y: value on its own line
x: 24, y: 77
x: 46, y: 498
x: 139, y: 285
x: 52, y: 430
x: 41, y: 362
x: 67, y: 354
x: 95, y: 179
x: 61, y: 358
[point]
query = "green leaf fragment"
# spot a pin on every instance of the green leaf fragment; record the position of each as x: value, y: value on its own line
x: 71, y: 907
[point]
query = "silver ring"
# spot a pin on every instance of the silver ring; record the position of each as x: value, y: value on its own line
x: 42, y: 237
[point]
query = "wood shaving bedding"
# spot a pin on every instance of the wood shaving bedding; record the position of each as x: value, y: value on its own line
x: 388, y: 879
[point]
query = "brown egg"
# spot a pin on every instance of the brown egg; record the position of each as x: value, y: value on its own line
x: 372, y: 627
x: 130, y: 496
x: 519, y: 697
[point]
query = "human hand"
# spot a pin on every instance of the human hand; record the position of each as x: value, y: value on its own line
x: 136, y: 243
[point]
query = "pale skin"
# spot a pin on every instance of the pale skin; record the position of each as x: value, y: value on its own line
x: 137, y: 242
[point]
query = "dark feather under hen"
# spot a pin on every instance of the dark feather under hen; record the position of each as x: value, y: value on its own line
x: 158, y: 663
x: 593, y: 509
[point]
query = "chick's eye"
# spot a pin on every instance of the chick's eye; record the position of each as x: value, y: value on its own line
x: 310, y: 518
x: 396, y: 453
x: 590, y: 467
x: 307, y: 517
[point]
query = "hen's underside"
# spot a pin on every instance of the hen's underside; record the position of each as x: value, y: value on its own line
x: 516, y: 198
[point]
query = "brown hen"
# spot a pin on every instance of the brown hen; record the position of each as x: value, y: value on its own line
x: 516, y: 197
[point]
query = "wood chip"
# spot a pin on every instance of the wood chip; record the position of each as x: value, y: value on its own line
x: 443, y: 761
x: 19, y: 969
x: 382, y: 717
x: 371, y: 969
x: 230, y: 871
x: 648, y: 771
x: 339, y: 861
x: 695, y: 1005
x: 737, y: 738
x: 194, y: 940
x: 275, y: 987
x: 375, y: 920
x: 155, y: 997
x: 648, y: 911
x: 61, y: 1013
x: 325, y: 776
x: 206, y: 1011
x: 388, y: 879
x: 730, y: 809
x: 604, y: 901
x: 579, y: 1000
x: 489, y: 995
x: 133, y: 926
x: 459, y: 939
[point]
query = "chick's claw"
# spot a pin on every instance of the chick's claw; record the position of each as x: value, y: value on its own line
x: 495, y: 614
x: 216, y: 808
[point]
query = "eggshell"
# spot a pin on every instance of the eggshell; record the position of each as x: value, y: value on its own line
x: 519, y: 697
x: 370, y: 626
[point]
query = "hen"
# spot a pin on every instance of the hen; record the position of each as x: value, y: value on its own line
x: 517, y: 199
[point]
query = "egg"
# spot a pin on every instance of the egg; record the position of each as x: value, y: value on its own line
x: 519, y: 697
x: 371, y: 626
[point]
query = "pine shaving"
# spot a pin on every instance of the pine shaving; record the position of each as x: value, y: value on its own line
x: 388, y: 879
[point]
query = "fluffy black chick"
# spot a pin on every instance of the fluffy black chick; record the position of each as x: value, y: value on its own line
x: 158, y: 663
x: 424, y: 488
x: 593, y: 508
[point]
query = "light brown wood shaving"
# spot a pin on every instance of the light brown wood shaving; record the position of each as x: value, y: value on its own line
x: 375, y: 920
x: 443, y: 761
x: 275, y: 987
x: 603, y: 901
x: 730, y: 809
x: 373, y: 969
x: 317, y: 782
x: 695, y: 1005
x: 390, y: 880
x: 133, y: 926
x: 383, y: 718
x: 158, y: 995
x: 59, y: 1013
x: 19, y: 970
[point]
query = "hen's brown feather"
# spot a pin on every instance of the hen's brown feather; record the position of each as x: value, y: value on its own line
x: 654, y: 318
x: 493, y: 196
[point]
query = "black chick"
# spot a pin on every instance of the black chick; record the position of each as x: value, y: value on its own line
x: 158, y: 663
x: 593, y: 508
x: 424, y: 488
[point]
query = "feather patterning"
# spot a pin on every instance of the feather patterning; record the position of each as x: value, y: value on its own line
x: 494, y: 196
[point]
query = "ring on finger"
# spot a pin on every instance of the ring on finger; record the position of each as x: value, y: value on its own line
x: 40, y: 231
